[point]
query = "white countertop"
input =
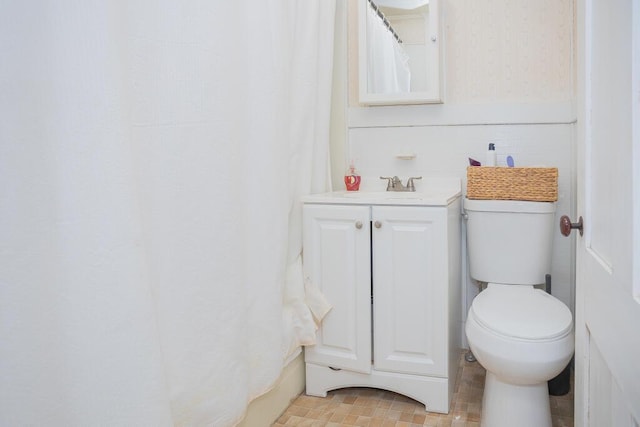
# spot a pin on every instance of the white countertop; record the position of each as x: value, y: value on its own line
x: 432, y: 192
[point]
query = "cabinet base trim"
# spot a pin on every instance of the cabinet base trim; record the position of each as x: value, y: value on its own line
x: 431, y: 391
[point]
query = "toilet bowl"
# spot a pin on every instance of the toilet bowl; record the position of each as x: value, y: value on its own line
x: 521, y: 335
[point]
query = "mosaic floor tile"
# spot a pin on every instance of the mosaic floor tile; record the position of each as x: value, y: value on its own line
x: 369, y: 407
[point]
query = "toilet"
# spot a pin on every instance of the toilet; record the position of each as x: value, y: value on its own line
x: 520, y: 334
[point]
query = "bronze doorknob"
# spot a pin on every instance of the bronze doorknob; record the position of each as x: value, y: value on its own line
x: 566, y: 225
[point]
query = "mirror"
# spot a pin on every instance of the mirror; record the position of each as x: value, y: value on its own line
x: 399, y: 49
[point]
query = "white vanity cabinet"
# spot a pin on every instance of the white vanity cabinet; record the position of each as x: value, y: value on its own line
x: 337, y: 259
x: 391, y: 270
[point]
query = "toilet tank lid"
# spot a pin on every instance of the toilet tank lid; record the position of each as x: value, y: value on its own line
x: 522, y: 312
x: 518, y: 206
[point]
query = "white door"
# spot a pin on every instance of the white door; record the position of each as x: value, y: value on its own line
x: 337, y: 258
x: 607, y: 389
x: 410, y: 285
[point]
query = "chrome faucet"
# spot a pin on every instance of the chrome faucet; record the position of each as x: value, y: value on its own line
x: 395, y: 184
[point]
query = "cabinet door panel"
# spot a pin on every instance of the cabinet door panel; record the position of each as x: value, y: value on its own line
x: 337, y: 241
x: 409, y: 290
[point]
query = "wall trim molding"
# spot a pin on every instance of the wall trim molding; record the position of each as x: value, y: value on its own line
x: 462, y: 115
x: 266, y: 409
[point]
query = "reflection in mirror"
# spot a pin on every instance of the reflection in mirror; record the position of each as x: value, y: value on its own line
x: 399, y: 51
x: 388, y: 69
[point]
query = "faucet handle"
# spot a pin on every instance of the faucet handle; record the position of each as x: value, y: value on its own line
x: 390, y: 182
x: 410, y: 185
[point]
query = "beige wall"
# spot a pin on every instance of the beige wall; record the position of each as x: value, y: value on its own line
x: 498, y: 51
x: 508, y: 51
x: 266, y: 409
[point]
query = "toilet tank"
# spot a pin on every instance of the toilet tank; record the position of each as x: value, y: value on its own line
x: 509, y: 241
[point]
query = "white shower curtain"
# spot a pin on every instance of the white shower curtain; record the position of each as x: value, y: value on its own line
x: 152, y: 155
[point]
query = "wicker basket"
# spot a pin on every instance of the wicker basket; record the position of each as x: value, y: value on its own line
x: 501, y: 183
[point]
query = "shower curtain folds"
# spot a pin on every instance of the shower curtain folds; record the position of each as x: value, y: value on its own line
x: 387, y: 63
x: 151, y: 227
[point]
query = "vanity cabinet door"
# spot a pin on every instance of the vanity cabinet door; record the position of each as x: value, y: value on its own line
x: 337, y: 241
x: 409, y: 289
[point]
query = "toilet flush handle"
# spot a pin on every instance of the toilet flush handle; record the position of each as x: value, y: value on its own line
x: 566, y: 225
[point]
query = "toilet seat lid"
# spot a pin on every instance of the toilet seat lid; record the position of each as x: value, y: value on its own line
x: 522, y: 312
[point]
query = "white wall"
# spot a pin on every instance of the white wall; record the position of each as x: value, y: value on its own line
x: 509, y: 79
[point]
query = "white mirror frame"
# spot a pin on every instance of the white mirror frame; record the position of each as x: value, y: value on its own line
x: 433, y: 94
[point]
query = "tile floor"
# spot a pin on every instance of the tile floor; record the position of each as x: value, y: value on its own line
x: 373, y: 407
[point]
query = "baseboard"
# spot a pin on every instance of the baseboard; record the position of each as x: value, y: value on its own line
x: 266, y: 409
